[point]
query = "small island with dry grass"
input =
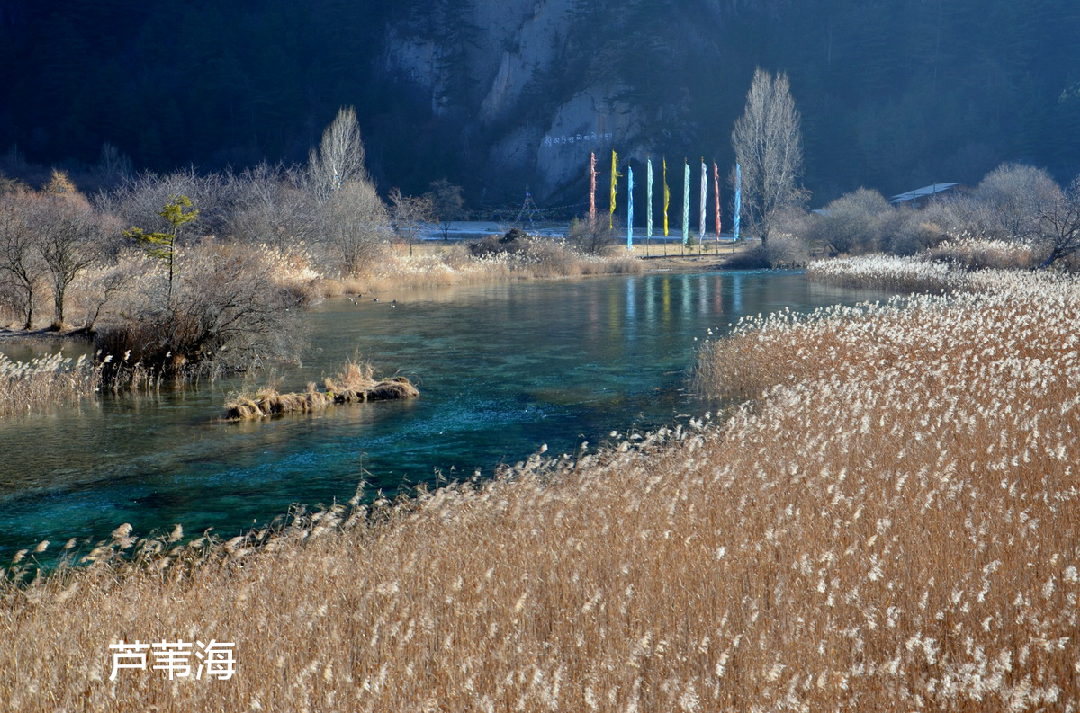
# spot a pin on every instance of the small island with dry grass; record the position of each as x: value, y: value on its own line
x: 354, y: 384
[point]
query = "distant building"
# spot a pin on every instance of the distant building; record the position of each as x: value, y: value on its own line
x: 920, y: 197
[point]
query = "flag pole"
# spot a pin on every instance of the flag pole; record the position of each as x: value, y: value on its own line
x: 667, y: 202
x: 704, y: 207
x: 716, y: 202
x: 614, y: 183
x: 648, y: 206
x: 686, y: 204
x: 592, y: 189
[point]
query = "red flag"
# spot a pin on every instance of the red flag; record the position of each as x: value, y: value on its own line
x: 716, y: 196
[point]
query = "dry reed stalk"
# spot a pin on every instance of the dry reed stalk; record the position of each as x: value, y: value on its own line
x: 897, y: 529
x: 980, y: 254
x: 45, y: 382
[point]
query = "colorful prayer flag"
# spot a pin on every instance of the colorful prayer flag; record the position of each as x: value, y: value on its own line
x: 702, y: 209
x: 686, y: 203
x: 614, y: 183
x: 738, y: 199
x: 648, y: 198
x: 716, y: 196
x: 592, y: 186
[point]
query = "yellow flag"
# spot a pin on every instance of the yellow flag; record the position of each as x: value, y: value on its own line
x: 667, y: 197
x: 614, y: 181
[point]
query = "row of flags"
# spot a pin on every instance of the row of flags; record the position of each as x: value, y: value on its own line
x: 703, y: 202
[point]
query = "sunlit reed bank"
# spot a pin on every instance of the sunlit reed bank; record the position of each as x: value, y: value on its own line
x: 441, y: 265
x: 967, y: 264
x: 27, y: 386
x: 890, y: 524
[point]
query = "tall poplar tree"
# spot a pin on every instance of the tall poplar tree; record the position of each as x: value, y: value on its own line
x: 768, y: 145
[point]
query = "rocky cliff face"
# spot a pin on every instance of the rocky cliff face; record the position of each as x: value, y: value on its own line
x: 509, y: 42
x: 540, y: 86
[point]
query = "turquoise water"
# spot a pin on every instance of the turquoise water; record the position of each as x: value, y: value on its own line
x: 502, y: 371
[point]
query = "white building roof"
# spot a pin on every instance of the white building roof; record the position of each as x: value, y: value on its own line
x: 922, y: 192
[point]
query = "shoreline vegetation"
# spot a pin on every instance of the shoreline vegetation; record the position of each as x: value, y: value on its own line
x: 53, y: 380
x: 887, y: 522
x: 186, y: 275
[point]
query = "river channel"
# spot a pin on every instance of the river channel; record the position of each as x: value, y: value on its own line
x: 503, y: 370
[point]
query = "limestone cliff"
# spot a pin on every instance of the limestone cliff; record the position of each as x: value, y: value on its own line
x: 539, y: 84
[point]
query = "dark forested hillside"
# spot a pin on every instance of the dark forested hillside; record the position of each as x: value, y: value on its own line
x: 201, y: 81
x: 893, y: 93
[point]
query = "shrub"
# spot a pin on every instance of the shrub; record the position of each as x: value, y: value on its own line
x: 591, y: 235
x: 755, y: 258
x: 513, y: 242
x: 1009, y: 203
x: 854, y: 222
x: 230, y: 305
x: 355, y: 227
x: 269, y: 207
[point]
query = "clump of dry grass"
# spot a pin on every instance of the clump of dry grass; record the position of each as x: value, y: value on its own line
x: 964, y: 266
x: 895, y: 529
x: 355, y: 384
x: 45, y: 382
x: 983, y: 254
x: 887, y: 272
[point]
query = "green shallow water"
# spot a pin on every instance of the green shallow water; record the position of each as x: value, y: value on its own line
x: 502, y: 370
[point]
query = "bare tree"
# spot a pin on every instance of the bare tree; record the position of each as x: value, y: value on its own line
x: 229, y: 308
x: 768, y: 145
x: 111, y: 283
x: 357, y: 226
x: 112, y: 166
x: 1009, y: 202
x: 138, y: 201
x: 1060, y: 234
x: 269, y: 207
x: 408, y: 214
x: 590, y: 234
x: 447, y: 202
x: 11, y: 185
x: 339, y: 160
x: 21, y: 265
x: 69, y: 231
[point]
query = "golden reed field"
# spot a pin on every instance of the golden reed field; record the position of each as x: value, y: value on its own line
x: 890, y: 523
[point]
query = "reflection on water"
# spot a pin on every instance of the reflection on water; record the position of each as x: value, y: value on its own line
x: 502, y: 369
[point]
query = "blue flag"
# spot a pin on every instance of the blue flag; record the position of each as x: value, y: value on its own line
x: 686, y: 203
x: 738, y: 199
